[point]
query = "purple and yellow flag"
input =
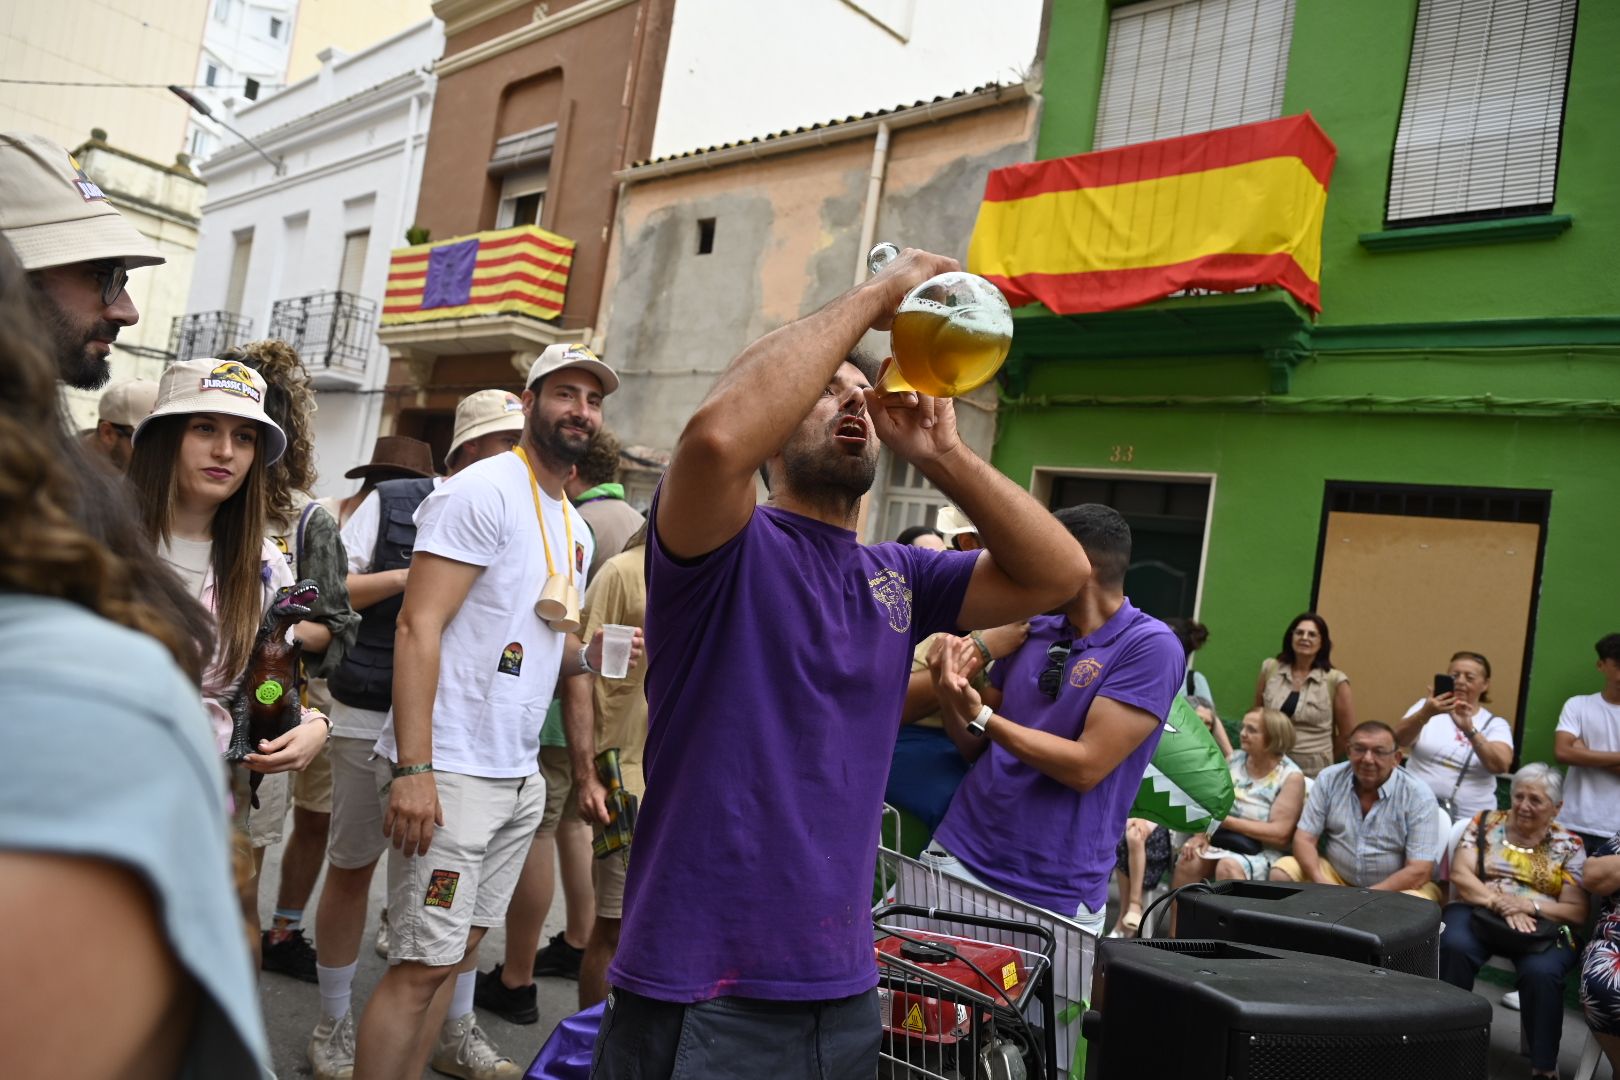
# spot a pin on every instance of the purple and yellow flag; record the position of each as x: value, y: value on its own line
x: 1221, y: 210
x: 522, y: 270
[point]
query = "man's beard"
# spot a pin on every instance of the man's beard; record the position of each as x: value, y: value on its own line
x: 553, y: 444
x: 75, y: 363
x: 818, y: 473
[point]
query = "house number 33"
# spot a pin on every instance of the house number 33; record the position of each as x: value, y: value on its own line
x: 1122, y: 452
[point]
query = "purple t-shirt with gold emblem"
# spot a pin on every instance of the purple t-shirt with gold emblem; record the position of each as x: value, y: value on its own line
x: 777, y: 667
x: 1018, y: 829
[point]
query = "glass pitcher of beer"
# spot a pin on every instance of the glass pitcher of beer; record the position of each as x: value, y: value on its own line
x: 951, y: 334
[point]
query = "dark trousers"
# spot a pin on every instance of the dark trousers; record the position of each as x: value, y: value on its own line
x: 1540, y: 980
x: 730, y: 1038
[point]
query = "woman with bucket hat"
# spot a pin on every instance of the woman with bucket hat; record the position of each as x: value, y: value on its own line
x: 198, y: 469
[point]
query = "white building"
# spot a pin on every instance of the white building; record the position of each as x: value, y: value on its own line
x: 301, y: 252
x: 245, y: 49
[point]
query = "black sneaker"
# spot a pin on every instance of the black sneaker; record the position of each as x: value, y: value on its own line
x: 292, y: 955
x: 558, y: 959
x: 513, y: 1006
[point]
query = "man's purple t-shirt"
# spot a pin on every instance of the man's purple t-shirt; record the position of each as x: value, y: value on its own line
x: 777, y: 668
x: 1023, y: 832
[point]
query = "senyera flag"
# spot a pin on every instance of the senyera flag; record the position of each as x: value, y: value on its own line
x: 1221, y: 210
x: 522, y: 270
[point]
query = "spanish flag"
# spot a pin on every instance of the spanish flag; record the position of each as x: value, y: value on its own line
x: 1221, y: 210
x: 522, y: 270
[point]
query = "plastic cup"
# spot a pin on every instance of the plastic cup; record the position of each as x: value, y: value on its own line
x: 616, y: 650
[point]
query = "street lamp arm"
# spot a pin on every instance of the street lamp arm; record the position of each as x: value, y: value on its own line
x: 200, y: 106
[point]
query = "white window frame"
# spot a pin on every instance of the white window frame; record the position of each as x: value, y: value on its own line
x: 1482, y: 115
x: 514, y: 186
x: 1181, y: 67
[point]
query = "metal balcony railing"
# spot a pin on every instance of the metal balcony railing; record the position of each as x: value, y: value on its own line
x: 332, y: 331
x: 207, y: 333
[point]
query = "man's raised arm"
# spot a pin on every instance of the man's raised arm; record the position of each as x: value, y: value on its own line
x: 708, y: 492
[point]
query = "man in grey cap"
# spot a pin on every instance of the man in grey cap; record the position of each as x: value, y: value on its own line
x: 122, y: 406
x: 78, y: 251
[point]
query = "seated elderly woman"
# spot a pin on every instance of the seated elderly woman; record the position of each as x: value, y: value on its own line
x: 1270, y: 795
x: 1517, y: 876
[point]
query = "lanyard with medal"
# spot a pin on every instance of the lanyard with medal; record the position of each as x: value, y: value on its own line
x: 558, y: 606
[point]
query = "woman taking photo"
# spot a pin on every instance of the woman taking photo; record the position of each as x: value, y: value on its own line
x: 1458, y: 746
x: 198, y: 470
x: 1270, y: 794
x: 1517, y: 878
x: 1301, y: 683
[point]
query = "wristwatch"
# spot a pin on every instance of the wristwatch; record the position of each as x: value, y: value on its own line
x: 585, y: 662
x: 976, y: 725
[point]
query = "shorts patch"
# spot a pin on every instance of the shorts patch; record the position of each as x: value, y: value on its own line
x: 441, y: 890
x: 511, y: 660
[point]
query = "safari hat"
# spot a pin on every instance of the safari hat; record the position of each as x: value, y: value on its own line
x: 395, y: 457
x: 207, y: 385
x: 950, y: 521
x: 52, y: 214
x: 557, y: 357
x: 484, y: 413
x: 127, y: 403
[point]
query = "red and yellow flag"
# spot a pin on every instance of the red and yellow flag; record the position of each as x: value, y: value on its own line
x: 1221, y: 210
x: 522, y: 270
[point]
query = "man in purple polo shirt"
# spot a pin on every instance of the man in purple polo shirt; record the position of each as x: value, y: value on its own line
x: 779, y: 650
x: 1061, y: 738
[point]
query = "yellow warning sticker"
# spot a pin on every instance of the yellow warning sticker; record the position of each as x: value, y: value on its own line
x: 1009, y: 976
x: 914, y: 1018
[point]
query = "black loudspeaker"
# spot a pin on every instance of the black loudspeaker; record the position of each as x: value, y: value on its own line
x: 1382, y: 929
x: 1214, y: 1010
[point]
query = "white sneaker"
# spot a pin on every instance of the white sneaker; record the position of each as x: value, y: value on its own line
x: 465, y: 1051
x: 331, y: 1048
x: 1510, y: 1000
x: 382, y: 935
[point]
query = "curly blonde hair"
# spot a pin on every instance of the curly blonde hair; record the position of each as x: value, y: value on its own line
x: 291, y: 404
x: 71, y: 531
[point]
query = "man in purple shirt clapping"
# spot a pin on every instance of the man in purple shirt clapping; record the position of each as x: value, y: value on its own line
x: 779, y: 650
x: 1060, y: 739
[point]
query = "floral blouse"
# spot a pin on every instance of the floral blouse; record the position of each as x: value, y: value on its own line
x: 1540, y: 873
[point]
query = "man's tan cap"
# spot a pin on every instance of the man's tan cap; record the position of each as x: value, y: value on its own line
x: 128, y: 403
x: 52, y: 214
x: 950, y: 521
x: 217, y: 386
x: 485, y: 413
x: 557, y: 357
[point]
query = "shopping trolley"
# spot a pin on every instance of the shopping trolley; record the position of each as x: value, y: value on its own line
x: 973, y: 984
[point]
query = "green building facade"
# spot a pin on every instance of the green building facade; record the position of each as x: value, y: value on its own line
x: 1459, y: 372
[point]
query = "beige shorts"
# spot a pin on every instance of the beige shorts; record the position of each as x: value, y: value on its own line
x: 560, y: 802
x: 356, y: 838
x: 268, y: 824
x: 607, y: 877
x: 312, y: 788
x: 467, y: 877
x: 1290, y: 868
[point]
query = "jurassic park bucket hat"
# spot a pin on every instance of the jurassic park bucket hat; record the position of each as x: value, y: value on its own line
x: 52, y: 214
x: 208, y: 385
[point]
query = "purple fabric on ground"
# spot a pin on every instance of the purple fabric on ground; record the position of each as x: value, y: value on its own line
x: 567, y: 1053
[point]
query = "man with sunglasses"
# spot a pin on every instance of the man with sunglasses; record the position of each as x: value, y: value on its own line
x: 78, y: 251
x: 1060, y: 738
x: 1366, y: 823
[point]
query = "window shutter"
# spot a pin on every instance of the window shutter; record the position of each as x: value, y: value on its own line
x: 353, y: 269
x: 1178, y: 67
x: 1483, y: 109
x: 236, y: 286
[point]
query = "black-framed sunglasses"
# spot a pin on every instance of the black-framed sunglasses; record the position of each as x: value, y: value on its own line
x: 112, y: 277
x: 1051, y: 678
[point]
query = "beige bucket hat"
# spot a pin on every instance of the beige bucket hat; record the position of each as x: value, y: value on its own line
x: 52, y: 214
x: 950, y: 521
x: 485, y: 413
x: 216, y: 386
x: 557, y: 357
x: 127, y: 403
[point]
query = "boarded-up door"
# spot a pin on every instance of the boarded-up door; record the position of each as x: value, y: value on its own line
x: 1402, y: 594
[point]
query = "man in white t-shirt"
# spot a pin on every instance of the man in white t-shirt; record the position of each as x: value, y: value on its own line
x: 487, y: 423
x: 475, y: 670
x: 1588, y: 742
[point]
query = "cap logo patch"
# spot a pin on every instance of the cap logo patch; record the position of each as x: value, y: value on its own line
x: 578, y: 352
x: 232, y: 378
x: 87, y: 187
x: 513, y: 403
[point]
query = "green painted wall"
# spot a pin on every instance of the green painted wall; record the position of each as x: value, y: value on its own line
x: 1347, y: 67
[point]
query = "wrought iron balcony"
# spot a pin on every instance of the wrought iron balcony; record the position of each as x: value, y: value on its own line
x: 207, y: 333
x: 334, y: 332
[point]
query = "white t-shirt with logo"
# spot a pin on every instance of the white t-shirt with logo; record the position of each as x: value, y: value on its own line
x: 498, y: 663
x: 1591, y: 796
x: 1441, y: 752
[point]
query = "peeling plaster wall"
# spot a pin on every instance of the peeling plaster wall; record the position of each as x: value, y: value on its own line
x: 786, y: 235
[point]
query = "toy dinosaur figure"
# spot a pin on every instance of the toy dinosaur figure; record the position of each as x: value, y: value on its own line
x: 265, y: 705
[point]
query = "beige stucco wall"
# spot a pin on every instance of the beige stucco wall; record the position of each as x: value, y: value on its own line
x: 346, y: 25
